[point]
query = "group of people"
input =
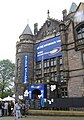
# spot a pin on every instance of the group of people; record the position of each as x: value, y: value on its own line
x: 16, y: 108
x: 6, y: 108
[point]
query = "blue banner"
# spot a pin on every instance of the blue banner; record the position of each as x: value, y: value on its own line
x: 41, y: 87
x: 25, y: 75
x: 48, y: 49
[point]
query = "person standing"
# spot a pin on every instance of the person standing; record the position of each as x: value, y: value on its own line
x: 0, y: 108
x: 23, y: 109
x: 12, y: 108
x: 17, y: 109
x: 9, y: 109
x: 5, y: 108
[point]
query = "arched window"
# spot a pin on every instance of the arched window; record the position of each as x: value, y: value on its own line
x: 80, y: 35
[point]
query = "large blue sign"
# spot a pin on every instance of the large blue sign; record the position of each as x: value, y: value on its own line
x: 48, y: 49
x: 25, y: 75
x: 41, y: 87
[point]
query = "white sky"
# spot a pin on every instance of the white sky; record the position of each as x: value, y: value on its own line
x: 14, y: 15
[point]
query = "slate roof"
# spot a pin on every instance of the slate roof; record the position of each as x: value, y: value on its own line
x: 73, y: 7
x: 27, y: 30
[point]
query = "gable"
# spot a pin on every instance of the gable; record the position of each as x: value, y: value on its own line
x: 49, y: 27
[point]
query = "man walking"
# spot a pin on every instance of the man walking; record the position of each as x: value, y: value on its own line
x: 17, y: 109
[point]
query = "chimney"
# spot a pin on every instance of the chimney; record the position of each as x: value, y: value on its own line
x: 35, y: 28
x: 64, y: 12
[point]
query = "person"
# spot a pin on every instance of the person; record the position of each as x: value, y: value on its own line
x: 5, y: 108
x: 42, y: 103
x: 12, y: 108
x: 9, y: 109
x: 23, y: 109
x: 17, y: 109
x: 0, y: 108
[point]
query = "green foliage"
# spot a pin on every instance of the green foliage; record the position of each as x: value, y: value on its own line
x: 7, y: 70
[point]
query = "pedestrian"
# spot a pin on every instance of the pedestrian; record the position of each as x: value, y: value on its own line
x: 5, y: 108
x: 9, y: 109
x: 17, y: 109
x: 12, y: 108
x: 0, y: 108
x: 23, y: 109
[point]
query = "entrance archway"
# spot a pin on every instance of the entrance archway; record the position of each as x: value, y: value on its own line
x: 35, y: 93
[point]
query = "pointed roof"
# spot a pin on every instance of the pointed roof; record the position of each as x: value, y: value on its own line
x: 73, y: 7
x: 27, y: 30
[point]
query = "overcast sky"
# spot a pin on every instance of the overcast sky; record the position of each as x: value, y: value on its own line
x: 15, y: 14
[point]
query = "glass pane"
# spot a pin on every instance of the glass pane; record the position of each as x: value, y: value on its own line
x: 54, y: 61
x: 79, y: 36
x: 83, y: 35
x: 60, y: 60
x: 79, y: 31
x: 51, y: 62
x: 82, y: 29
x: 39, y: 65
x: 62, y: 93
x: 47, y: 63
x: 65, y: 93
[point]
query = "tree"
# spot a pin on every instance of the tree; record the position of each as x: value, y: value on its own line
x: 7, y: 74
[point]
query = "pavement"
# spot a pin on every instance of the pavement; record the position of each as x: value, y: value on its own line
x: 43, y: 118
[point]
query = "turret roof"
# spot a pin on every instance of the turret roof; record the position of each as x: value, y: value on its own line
x: 27, y: 30
x: 73, y: 7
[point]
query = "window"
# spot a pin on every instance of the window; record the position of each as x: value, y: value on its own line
x: 18, y: 67
x: 61, y: 75
x: 19, y: 48
x: 56, y: 77
x: 60, y: 60
x: 80, y: 35
x: 38, y: 65
x: 64, y: 92
x: 47, y: 63
x: 52, y: 76
x: 53, y: 62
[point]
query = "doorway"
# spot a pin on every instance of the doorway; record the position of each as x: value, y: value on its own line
x: 35, y: 93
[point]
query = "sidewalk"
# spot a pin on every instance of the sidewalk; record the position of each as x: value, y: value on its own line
x: 43, y: 118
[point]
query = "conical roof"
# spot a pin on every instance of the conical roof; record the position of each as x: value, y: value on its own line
x: 27, y: 30
x: 73, y: 7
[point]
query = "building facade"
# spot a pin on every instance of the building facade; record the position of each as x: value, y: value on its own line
x: 50, y: 63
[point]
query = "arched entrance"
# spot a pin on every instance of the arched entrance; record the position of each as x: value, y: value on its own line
x: 35, y: 93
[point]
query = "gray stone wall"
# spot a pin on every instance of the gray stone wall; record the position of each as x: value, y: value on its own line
x: 25, y: 47
x: 76, y: 70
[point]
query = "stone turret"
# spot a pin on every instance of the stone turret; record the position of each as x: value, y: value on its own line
x: 24, y: 61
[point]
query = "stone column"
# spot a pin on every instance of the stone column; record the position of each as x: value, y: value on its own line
x: 64, y: 38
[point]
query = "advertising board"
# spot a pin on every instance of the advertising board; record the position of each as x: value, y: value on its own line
x: 25, y: 75
x: 48, y: 49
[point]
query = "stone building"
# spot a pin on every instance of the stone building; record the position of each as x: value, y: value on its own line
x: 50, y: 62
